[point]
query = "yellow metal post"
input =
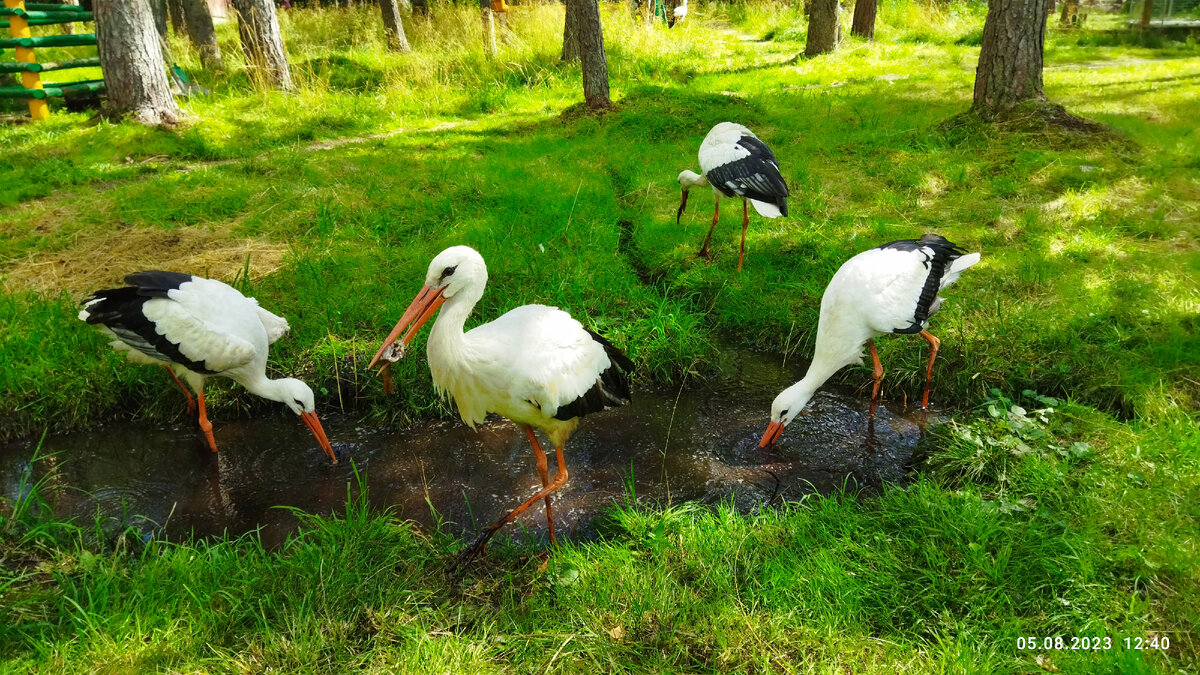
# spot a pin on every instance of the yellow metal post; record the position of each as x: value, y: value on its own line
x: 18, y: 27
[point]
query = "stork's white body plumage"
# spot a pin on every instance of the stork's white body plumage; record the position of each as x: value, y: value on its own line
x: 535, y: 365
x: 890, y: 289
x: 736, y: 163
x: 198, y: 328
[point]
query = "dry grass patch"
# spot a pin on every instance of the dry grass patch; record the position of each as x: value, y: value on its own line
x: 103, y: 259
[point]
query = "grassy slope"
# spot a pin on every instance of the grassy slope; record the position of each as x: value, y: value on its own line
x: 1088, y: 290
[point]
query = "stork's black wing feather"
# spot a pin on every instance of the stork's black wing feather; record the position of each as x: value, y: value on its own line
x: 755, y: 176
x: 611, y: 388
x: 938, y: 253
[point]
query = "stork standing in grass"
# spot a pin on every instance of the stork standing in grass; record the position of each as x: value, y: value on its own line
x: 736, y: 164
x: 535, y: 365
x: 890, y: 289
x: 196, y: 328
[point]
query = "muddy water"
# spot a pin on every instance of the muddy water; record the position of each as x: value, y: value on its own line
x: 698, y: 443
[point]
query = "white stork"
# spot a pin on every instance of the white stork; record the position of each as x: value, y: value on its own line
x: 196, y: 328
x: 890, y: 289
x: 677, y: 14
x: 736, y: 164
x: 535, y: 365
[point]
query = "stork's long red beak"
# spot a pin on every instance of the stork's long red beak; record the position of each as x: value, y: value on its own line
x: 422, y: 307
x: 682, y: 204
x: 774, y: 431
x: 314, y: 425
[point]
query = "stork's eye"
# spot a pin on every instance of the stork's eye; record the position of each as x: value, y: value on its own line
x: 298, y: 402
x: 448, y: 271
x: 782, y: 414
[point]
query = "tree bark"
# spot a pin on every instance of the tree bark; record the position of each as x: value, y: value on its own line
x: 159, y: 9
x: 1147, y: 13
x: 204, y: 35
x: 1010, y: 58
x: 864, y: 18
x: 263, y: 43
x: 393, y: 26
x: 590, y: 38
x: 1070, y: 10
x: 420, y: 7
x: 823, y: 28
x: 570, y: 50
x: 175, y: 11
x: 135, y: 75
x: 489, y: 29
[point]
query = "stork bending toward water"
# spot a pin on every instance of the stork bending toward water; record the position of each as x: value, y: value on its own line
x: 736, y: 164
x: 535, y: 365
x: 890, y: 289
x: 196, y: 328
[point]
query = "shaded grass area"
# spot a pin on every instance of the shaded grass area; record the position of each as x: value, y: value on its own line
x: 1025, y: 521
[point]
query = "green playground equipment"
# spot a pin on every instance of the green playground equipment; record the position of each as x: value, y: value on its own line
x: 18, y: 16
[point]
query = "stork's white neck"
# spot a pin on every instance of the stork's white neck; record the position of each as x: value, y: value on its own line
x: 259, y: 384
x: 447, y: 348
x: 691, y: 179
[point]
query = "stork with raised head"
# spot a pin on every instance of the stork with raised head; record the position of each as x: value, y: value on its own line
x: 890, y: 289
x: 736, y: 164
x: 198, y: 328
x: 535, y: 365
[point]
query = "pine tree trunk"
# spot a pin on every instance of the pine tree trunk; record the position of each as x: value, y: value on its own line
x: 175, y: 11
x: 263, y: 43
x: 159, y: 9
x: 570, y: 50
x: 1010, y: 58
x: 823, y: 28
x: 203, y: 34
x: 135, y: 75
x: 1147, y: 13
x: 1070, y: 10
x: 393, y: 26
x: 590, y: 38
x: 864, y: 19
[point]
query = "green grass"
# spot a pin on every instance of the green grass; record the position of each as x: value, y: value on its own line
x: 1075, y: 521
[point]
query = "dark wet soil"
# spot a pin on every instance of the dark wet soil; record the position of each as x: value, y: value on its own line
x: 698, y: 443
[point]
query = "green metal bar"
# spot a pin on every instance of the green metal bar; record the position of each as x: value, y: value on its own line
x: 18, y: 67
x: 54, y: 89
x: 52, y: 7
x: 81, y: 40
x: 4, y: 23
x: 65, y: 16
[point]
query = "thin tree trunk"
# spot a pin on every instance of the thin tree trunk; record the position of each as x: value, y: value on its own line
x: 594, y: 64
x: 175, y: 11
x: 263, y: 43
x: 822, y: 28
x: 159, y: 9
x: 1070, y: 10
x: 1147, y: 13
x: 67, y: 28
x: 203, y: 34
x: 489, y: 29
x: 393, y: 26
x: 1010, y: 58
x: 420, y: 7
x: 864, y: 18
x: 570, y: 50
x: 135, y: 75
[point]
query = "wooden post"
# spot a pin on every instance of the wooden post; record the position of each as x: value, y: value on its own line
x: 18, y: 27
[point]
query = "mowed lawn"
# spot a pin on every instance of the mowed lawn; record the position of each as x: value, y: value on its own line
x: 1063, y: 500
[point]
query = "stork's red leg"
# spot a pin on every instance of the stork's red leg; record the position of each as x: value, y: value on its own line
x: 878, y: 375
x: 934, y: 344
x: 716, y: 216
x: 205, y: 425
x: 191, y: 401
x: 745, y: 224
x: 476, y: 546
x: 542, y: 466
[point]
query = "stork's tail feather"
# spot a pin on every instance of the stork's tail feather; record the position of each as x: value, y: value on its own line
x: 612, y: 387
